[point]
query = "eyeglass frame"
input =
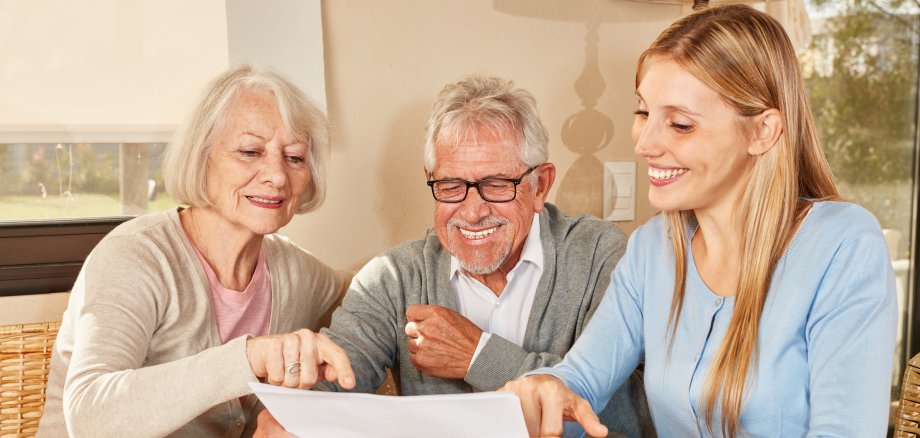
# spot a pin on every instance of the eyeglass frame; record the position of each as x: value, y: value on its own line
x: 514, y: 181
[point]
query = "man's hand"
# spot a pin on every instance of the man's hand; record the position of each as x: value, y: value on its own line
x: 268, y: 427
x: 442, y: 342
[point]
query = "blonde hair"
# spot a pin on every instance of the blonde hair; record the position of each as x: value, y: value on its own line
x: 747, y: 58
x: 186, y: 159
x: 491, y: 102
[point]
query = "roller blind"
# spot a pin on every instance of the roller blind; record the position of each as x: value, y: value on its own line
x: 105, y: 70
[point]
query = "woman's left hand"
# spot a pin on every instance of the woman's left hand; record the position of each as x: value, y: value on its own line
x: 299, y: 360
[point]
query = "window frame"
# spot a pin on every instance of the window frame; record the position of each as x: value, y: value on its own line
x: 39, y: 257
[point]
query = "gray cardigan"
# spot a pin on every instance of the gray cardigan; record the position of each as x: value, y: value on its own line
x: 580, y: 254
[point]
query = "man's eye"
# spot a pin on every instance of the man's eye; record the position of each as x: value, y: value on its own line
x: 450, y: 186
x: 494, y: 185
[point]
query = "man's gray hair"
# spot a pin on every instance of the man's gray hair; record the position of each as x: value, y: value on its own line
x: 486, y: 102
x: 186, y: 160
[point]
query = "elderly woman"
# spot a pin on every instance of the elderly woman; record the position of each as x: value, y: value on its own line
x: 174, y: 313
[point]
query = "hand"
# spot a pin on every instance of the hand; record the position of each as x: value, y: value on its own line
x: 442, y: 342
x: 268, y: 427
x: 313, y: 356
x: 546, y: 402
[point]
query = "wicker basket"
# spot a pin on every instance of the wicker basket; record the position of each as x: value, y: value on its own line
x: 25, y: 356
x: 908, y: 422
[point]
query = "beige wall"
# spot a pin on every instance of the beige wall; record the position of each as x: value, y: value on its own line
x: 385, y: 63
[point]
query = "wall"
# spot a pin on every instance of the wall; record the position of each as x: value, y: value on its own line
x: 385, y: 63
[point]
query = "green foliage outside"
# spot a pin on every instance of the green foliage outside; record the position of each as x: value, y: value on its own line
x: 861, y: 72
x: 18, y: 207
x: 49, y: 181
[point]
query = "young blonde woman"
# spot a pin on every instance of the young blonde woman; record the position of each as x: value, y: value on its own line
x: 761, y: 304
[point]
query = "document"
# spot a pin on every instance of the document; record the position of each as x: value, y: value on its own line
x: 337, y: 414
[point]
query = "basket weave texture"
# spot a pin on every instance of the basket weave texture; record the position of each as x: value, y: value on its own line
x: 908, y: 422
x: 25, y: 357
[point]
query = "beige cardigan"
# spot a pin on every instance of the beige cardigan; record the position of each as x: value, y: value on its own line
x: 138, y: 353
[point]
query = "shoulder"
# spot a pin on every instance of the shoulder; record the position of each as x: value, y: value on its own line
x: 579, y: 230
x: 164, y: 222
x: 652, y: 232
x: 409, y: 258
x: 150, y: 235
x: 292, y: 260
x: 834, y: 223
x: 839, y: 237
x: 844, y: 214
x: 142, y: 262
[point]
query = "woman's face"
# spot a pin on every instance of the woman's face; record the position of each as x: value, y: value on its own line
x: 697, y: 154
x: 256, y: 172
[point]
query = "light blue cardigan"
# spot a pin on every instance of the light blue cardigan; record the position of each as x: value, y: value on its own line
x: 826, y: 345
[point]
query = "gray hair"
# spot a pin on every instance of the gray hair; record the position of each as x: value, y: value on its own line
x: 486, y: 102
x: 185, y: 163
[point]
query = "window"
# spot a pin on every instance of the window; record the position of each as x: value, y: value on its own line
x: 80, y: 180
x: 59, y: 199
x: 861, y: 72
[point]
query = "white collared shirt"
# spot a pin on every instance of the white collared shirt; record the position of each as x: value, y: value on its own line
x: 505, y: 315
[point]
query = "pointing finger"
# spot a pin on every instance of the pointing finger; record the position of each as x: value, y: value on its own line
x: 336, y: 358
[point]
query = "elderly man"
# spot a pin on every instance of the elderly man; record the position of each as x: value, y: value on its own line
x: 503, y: 284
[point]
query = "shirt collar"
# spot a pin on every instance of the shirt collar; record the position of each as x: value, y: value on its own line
x: 532, y: 251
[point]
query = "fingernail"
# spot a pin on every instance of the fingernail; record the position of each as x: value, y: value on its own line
x: 348, y: 381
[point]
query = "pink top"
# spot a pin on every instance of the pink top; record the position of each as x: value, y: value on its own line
x: 241, y: 313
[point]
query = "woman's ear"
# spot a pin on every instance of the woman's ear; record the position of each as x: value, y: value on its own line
x: 768, y: 126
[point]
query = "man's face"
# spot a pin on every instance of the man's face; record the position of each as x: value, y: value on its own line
x: 486, y: 237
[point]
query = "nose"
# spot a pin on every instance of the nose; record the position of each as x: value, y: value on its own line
x: 474, y: 208
x: 646, y: 138
x: 274, y: 170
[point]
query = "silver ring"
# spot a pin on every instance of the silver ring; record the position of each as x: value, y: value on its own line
x: 293, y: 368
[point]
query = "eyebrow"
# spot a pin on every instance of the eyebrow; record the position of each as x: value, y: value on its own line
x: 677, y: 108
x: 293, y: 143
x: 682, y: 109
x: 478, y: 179
x: 253, y: 134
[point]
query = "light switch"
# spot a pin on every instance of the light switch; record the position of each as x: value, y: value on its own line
x: 620, y: 191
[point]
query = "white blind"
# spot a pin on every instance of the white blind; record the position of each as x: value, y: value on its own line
x: 105, y: 70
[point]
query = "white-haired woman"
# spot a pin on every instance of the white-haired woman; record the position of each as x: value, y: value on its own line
x: 174, y: 313
x: 762, y: 305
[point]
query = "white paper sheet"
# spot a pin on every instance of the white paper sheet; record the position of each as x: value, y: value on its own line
x: 330, y: 414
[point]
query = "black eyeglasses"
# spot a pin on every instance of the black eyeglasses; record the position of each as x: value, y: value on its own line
x: 491, y: 189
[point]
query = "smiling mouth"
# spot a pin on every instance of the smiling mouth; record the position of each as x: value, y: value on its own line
x: 264, y: 201
x: 665, y: 174
x: 469, y: 234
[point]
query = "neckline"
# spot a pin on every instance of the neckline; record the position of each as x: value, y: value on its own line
x: 793, y: 245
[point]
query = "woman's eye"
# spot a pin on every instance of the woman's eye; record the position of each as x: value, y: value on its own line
x: 248, y: 152
x: 296, y: 159
x: 680, y: 127
x: 641, y: 113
